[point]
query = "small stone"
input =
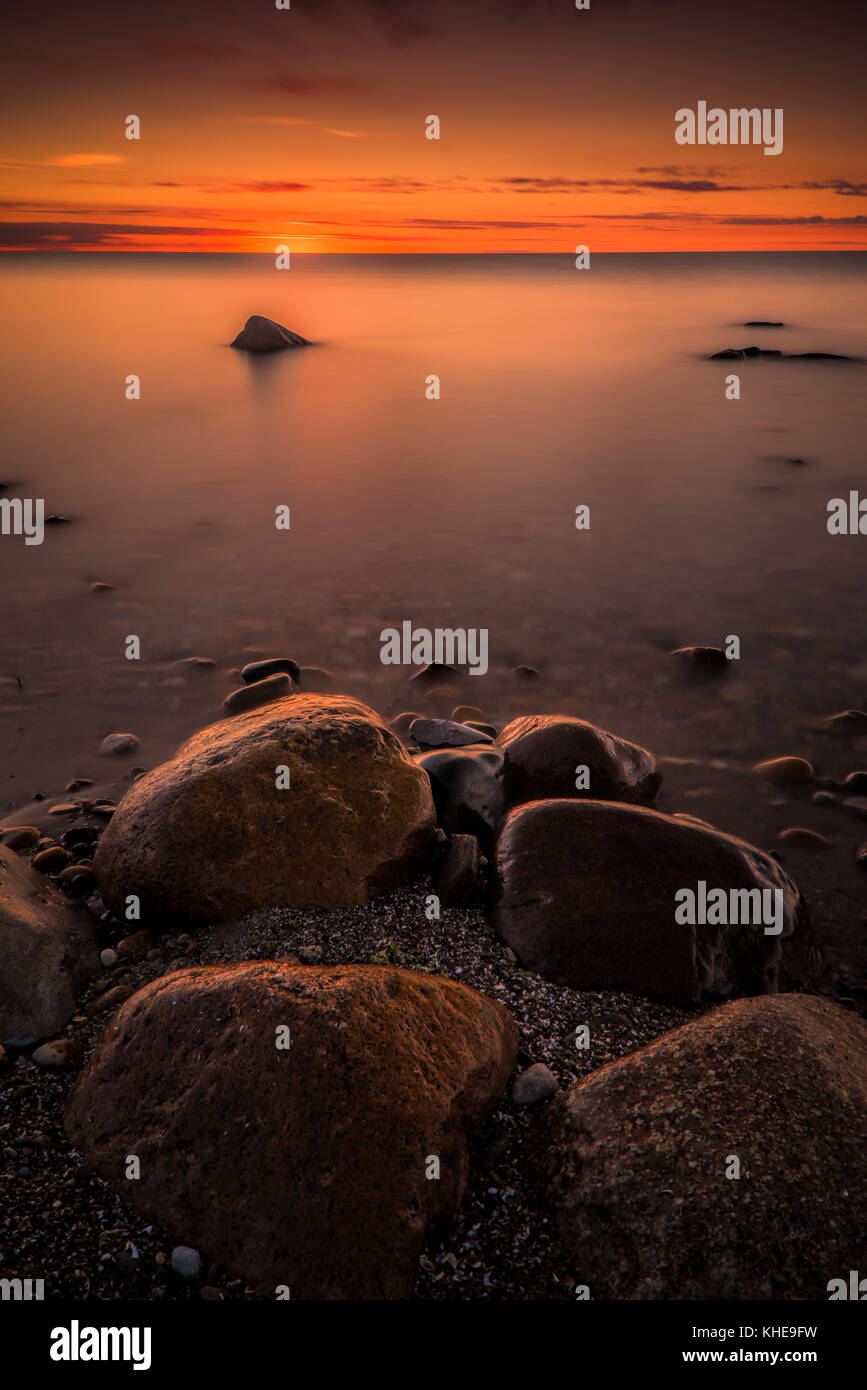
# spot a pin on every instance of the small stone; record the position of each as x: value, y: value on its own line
x: 259, y: 693
x: 855, y: 784
x: 196, y: 663
x: 804, y: 838
x: 65, y: 1054
x: 19, y: 837
x: 261, y: 334
x: 785, y: 771
x: 848, y: 721
x: 112, y: 999
x: 402, y: 723
x: 100, y: 587
x: 525, y: 673
x: 56, y: 520
x: 109, y: 957
x: 444, y: 733
x: 857, y: 805
x: 65, y: 808
x: 185, y: 1261
x: 136, y: 946
x: 20, y: 1045
x: 310, y: 955
x: 823, y: 798
x: 461, y: 714
x: 535, y: 1084
x: 433, y: 673
x: 114, y: 744
x: 706, y: 661
x: 273, y: 666
x: 49, y: 861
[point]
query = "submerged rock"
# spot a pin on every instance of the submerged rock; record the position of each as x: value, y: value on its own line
x: 586, y: 896
x: 673, y: 1173
x: 445, y: 733
x: 221, y: 830
x: 264, y: 335
x: 357, y: 1075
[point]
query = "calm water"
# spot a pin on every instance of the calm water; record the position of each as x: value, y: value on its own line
x: 559, y: 387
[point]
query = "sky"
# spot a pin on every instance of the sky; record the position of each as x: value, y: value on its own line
x: 306, y: 127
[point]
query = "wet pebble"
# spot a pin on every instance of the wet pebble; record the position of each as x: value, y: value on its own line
x: 272, y: 666
x: 65, y: 1054
x: 19, y: 837
x: 260, y: 693
x: 535, y: 1084
x: 785, y: 772
x: 803, y: 838
x: 114, y: 744
x: 185, y: 1261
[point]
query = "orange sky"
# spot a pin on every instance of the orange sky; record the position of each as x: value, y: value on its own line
x: 306, y: 127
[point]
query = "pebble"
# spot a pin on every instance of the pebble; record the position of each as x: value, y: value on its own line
x: 847, y: 721
x: 112, y: 999
x: 19, y: 836
x: 309, y: 955
x: 260, y: 693
x: 135, y: 946
x: 444, y: 733
x: 65, y: 808
x: 100, y: 587
x: 113, y: 744
x: 185, y: 1261
x: 197, y: 663
x: 857, y: 805
x: 78, y: 880
x: 109, y: 957
x: 705, y: 660
x: 525, y: 673
x: 20, y: 1045
x: 785, y: 772
x: 272, y: 666
x: 823, y: 798
x: 535, y: 1084
x: 855, y: 784
x: 63, y: 1053
x: 462, y: 714
x: 402, y: 723
x: 78, y: 783
x: 803, y: 837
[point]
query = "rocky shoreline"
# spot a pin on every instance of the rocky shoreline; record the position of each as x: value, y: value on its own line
x: 301, y: 850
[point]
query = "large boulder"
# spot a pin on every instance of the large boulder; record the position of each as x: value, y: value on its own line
x: 308, y: 1165
x: 210, y: 836
x: 48, y: 951
x: 264, y: 335
x: 585, y: 895
x: 638, y: 1158
x: 469, y: 788
x: 544, y: 752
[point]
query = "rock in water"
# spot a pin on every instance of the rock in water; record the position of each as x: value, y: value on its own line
x: 264, y: 335
x: 639, y: 1158
x: 544, y: 751
x: 356, y: 1076
x: 213, y: 835
x: 445, y: 733
x: 48, y: 951
x: 585, y: 895
x: 469, y: 788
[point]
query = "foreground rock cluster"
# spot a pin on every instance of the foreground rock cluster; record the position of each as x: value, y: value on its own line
x: 310, y: 1126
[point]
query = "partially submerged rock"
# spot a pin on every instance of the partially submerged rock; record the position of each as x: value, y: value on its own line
x: 469, y: 788
x: 585, y: 896
x: 264, y: 335
x: 723, y: 1161
x: 286, y: 1117
x: 545, y: 751
x: 221, y: 831
x: 48, y: 951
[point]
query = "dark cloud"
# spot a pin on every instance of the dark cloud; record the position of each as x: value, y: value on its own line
x: 54, y: 236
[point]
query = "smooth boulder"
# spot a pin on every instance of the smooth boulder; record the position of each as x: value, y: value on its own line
x: 48, y: 951
x: 305, y: 1165
x: 264, y: 335
x: 210, y: 836
x: 469, y: 788
x: 585, y: 896
x: 637, y: 1158
x: 544, y: 751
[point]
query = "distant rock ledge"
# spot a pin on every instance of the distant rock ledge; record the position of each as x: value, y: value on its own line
x: 264, y: 335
